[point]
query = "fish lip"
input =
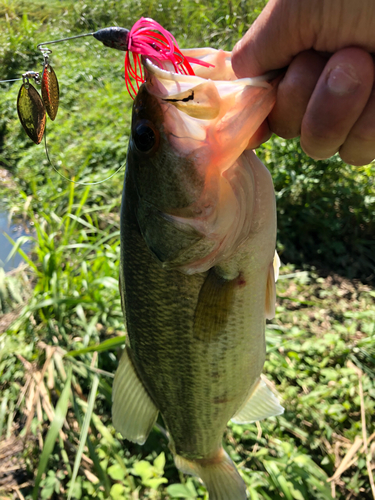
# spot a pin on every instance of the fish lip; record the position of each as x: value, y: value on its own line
x: 160, y: 73
x: 257, y: 81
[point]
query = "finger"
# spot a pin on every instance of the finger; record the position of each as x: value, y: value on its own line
x: 338, y: 100
x: 359, y: 147
x: 294, y: 92
x: 261, y: 135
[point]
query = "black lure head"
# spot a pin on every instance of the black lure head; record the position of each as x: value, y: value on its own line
x: 114, y: 37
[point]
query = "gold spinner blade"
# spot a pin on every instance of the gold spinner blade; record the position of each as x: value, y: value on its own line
x: 31, y: 112
x: 50, y: 91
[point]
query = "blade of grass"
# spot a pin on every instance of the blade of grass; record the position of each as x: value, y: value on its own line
x: 82, y: 368
x: 70, y: 204
x: 86, y: 224
x: 278, y: 478
x: 78, y: 211
x: 84, y: 432
x: 17, y: 248
x: 3, y: 409
x: 104, y: 346
x: 58, y: 421
x: 92, y: 453
x: 253, y: 493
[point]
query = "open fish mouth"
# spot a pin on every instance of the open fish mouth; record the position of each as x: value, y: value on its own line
x: 166, y: 83
x: 214, y: 93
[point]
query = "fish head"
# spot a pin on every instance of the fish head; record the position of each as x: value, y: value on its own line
x: 164, y: 176
x: 194, y: 195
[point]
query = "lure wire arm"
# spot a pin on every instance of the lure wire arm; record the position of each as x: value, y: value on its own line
x: 12, y: 80
x: 114, y: 37
x: 61, y: 40
x: 25, y: 78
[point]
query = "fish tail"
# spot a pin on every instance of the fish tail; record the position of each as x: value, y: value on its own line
x: 218, y: 473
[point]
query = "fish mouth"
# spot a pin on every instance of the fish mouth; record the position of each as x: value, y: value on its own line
x: 168, y: 85
x: 201, y: 97
x: 164, y: 83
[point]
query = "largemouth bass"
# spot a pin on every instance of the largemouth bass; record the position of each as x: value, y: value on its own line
x: 197, y: 276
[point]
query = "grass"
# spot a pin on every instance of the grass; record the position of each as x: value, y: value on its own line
x: 62, y: 328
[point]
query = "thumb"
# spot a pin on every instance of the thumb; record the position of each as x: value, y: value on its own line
x: 272, y: 41
x: 287, y: 27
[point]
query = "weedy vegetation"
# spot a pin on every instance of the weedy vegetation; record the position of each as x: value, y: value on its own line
x: 61, y: 325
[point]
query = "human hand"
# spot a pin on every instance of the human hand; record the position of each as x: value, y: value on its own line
x: 327, y: 95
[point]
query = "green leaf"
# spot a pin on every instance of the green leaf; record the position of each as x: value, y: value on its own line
x: 159, y: 463
x: 118, y: 492
x: 94, y: 456
x: 104, y: 430
x: 155, y: 482
x: 277, y: 477
x: 253, y: 493
x: 17, y: 248
x: 58, y: 421
x: 107, y: 282
x: 143, y: 469
x: 116, y: 472
x: 3, y: 410
x: 179, y: 491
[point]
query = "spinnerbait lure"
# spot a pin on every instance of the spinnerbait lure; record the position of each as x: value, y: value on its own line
x: 146, y: 38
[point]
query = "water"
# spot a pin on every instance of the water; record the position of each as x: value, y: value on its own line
x: 14, y: 231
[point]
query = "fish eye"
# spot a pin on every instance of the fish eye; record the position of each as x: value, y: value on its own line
x: 145, y: 136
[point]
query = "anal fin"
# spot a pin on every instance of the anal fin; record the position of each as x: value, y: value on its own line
x: 218, y: 473
x: 276, y: 265
x: 133, y: 411
x: 273, y: 274
x: 261, y: 404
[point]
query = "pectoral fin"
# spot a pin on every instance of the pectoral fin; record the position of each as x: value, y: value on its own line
x: 261, y: 404
x: 273, y: 274
x: 133, y: 412
x: 214, y: 304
